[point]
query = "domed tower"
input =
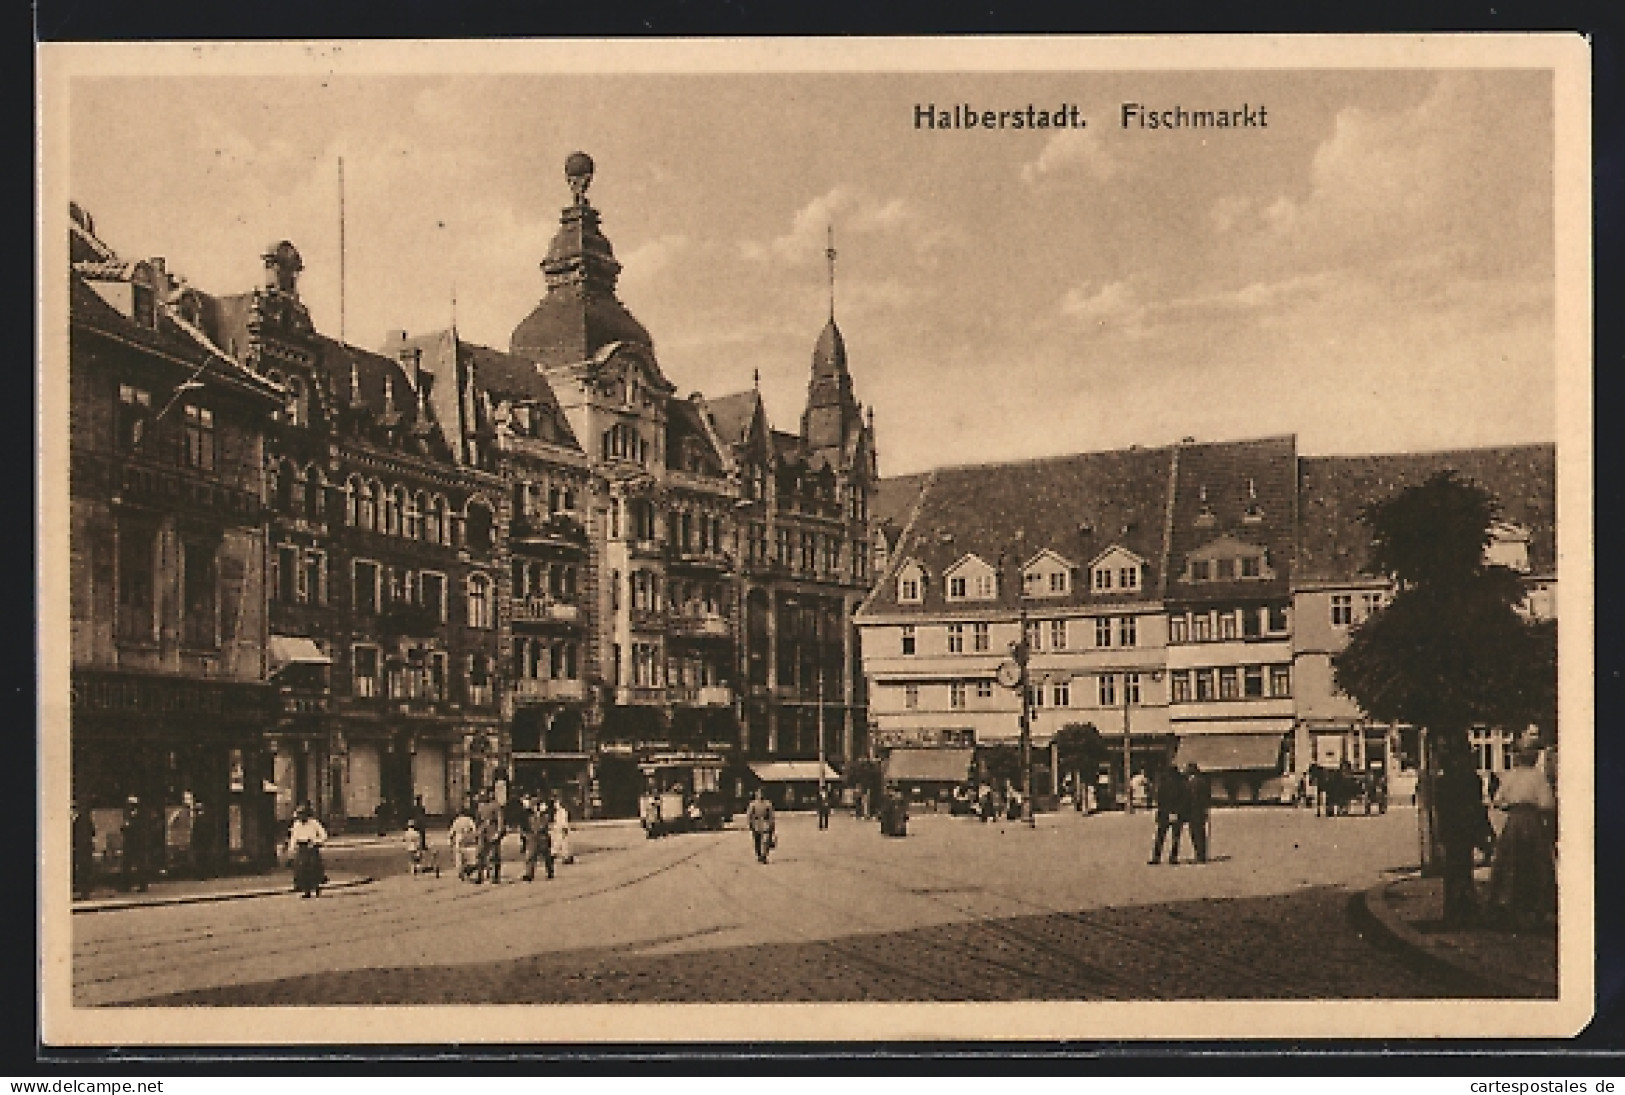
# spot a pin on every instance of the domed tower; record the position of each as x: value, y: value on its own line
x: 580, y: 314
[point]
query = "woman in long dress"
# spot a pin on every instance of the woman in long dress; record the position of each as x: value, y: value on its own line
x: 1523, y: 875
x: 560, y: 831
x: 305, y: 838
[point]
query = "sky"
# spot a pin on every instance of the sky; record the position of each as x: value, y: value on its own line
x: 1371, y: 271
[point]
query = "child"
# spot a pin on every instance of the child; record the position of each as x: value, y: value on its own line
x: 417, y: 850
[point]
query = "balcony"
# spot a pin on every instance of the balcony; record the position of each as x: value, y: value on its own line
x: 544, y: 610
x: 639, y: 696
x: 712, y: 562
x: 553, y: 531
x: 303, y: 701
x: 537, y: 689
x: 648, y: 619
x: 705, y: 695
x: 700, y: 625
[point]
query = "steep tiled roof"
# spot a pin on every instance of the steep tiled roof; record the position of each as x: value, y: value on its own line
x: 173, y: 337
x: 894, y: 498
x: 789, y: 446
x: 1332, y: 540
x: 1076, y: 506
x: 1250, y: 496
x: 683, y: 422
x: 731, y: 415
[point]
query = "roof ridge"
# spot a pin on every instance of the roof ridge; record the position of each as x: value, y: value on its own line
x: 1450, y: 451
x: 1168, y: 524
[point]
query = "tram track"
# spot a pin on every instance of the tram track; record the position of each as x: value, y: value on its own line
x: 371, y: 915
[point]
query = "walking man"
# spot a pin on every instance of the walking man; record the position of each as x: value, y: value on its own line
x: 759, y: 816
x: 538, y: 833
x: 823, y: 807
x: 1199, y: 791
x: 488, y: 822
x: 1171, y: 809
x: 136, y: 847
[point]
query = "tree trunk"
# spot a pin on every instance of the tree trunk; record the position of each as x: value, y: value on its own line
x: 1427, y: 829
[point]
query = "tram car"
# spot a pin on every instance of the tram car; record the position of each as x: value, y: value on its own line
x: 682, y: 794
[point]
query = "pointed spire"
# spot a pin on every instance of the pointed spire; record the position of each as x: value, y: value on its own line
x: 756, y: 379
x: 829, y: 253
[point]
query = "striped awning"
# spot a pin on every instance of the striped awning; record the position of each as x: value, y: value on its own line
x: 286, y: 650
x: 791, y: 771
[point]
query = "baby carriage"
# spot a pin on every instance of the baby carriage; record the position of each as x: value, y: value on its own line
x: 425, y: 860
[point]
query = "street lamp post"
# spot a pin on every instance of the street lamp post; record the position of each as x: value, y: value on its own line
x: 820, y: 709
x: 1019, y: 679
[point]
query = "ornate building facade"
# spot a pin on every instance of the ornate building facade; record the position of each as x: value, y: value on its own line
x: 538, y: 567
x: 1187, y: 601
x: 167, y: 542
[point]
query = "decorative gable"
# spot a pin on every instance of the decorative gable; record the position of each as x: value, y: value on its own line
x: 1227, y: 559
x: 972, y: 578
x: 1117, y: 570
x: 1046, y: 575
x: 911, y: 582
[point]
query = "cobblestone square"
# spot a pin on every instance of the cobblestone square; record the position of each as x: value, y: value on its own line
x: 957, y: 910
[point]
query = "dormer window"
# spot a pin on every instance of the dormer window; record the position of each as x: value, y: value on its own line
x: 911, y: 584
x: 1128, y: 577
x: 1048, y: 575
x: 1103, y: 579
x: 971, y: 578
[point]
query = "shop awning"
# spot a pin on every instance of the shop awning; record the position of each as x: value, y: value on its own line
x: 286, y: 650
x: 791, y: 771
x: 929, y: 765
x: 1220, y: 752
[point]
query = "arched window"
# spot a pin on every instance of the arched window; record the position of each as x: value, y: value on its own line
x: 477, y: 527
x: 416, y: 509
x: 394, y: 503
x: 353, y: 492
x: 367, y: 512
x: 287, y: 487
x: 434, y: 521
x: 296, y: 401
x: 479, y: 601
x: 315, y: 493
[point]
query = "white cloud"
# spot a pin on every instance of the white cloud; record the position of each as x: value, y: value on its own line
x: 850, y: 210
x: 1115, y: 304
x: 1072, y: 149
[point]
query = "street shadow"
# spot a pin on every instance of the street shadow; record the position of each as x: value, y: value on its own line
x: 1296, y: 946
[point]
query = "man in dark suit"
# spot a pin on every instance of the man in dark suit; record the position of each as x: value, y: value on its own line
x: 488, y: 820
x: 1199, y: 793
x: 537, y: 827
x: 1171, y: 795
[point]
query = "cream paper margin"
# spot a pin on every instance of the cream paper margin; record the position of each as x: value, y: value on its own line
x: 1567, y: 56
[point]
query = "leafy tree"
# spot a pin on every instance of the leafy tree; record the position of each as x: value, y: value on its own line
x: 1451, y: 650
x: 1002, y: 764
x: 1080, y: 750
